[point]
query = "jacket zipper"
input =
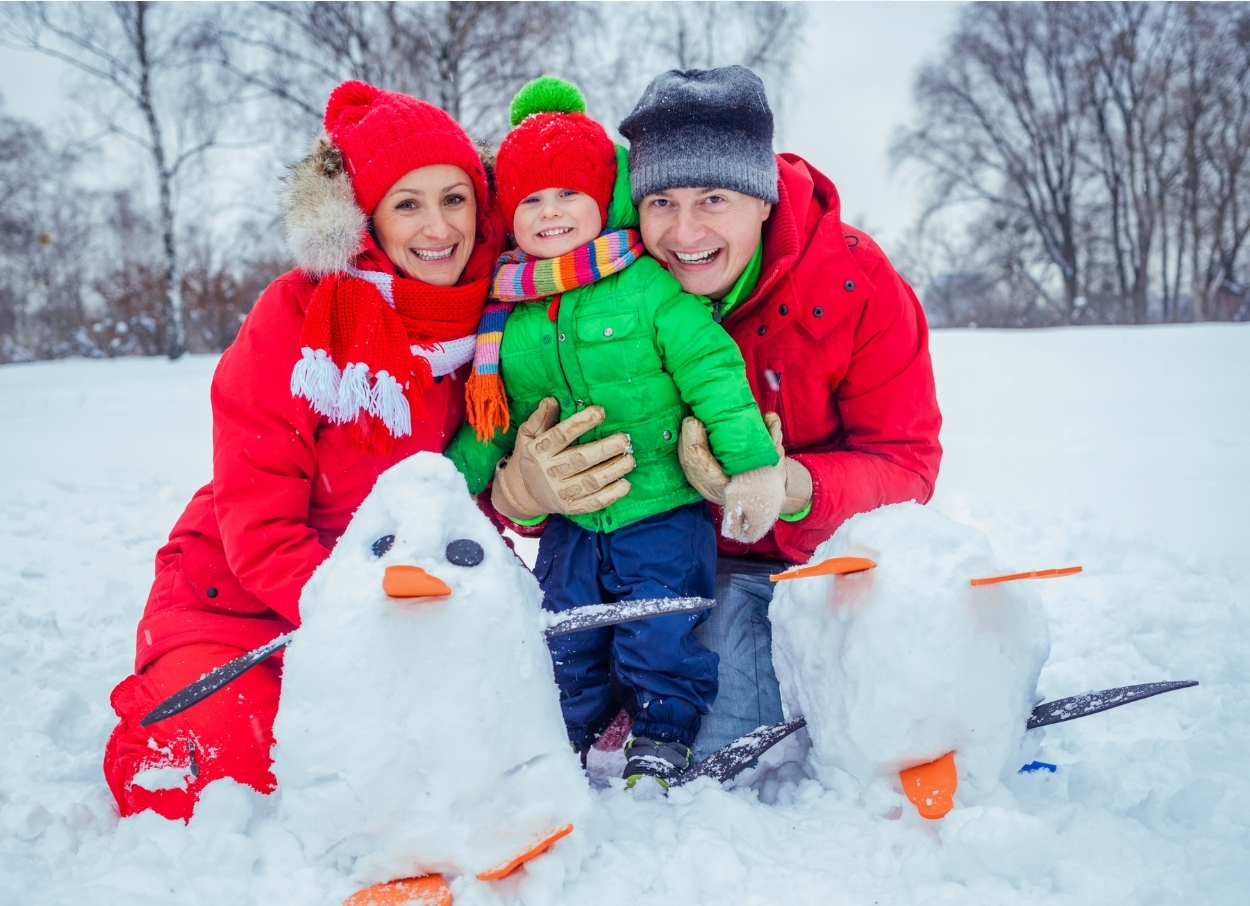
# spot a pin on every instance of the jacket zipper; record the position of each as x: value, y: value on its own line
x: 773, y: 400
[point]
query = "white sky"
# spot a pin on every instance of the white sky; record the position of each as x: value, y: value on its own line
x: 851, y: 91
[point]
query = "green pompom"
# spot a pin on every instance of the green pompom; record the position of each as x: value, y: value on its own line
x: 547, y: 95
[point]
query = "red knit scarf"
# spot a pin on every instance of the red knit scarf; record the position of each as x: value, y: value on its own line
x: 372, y: 343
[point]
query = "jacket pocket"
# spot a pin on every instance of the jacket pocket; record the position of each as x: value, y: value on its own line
x: 203, y: 564
x: 610, y: 346
x: 608, y: 327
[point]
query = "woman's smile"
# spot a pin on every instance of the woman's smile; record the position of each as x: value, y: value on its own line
x: 427, y: 222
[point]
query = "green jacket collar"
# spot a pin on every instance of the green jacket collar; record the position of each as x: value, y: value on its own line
x: 743, y: 288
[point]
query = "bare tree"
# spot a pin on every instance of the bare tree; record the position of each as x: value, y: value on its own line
x: 1121, y: 131
x: 1130, y: 71
x: 1224, y: 162
x: 46, y: 224
x: 631, y: 43
x: 151, y: 59
x: 468, y: 58
x: 1000, y: 126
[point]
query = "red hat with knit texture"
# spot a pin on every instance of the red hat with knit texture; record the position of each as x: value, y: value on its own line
x: 554, y: 145
x: 383, y: 134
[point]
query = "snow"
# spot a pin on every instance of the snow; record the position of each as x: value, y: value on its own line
x: 165, y: 778
x: 420, y: 735
x: 1123, y: 449
x: 895, y: 666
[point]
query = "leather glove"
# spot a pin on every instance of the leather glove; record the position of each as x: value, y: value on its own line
x: 697, y: 462
x: 544, y: 474
x: 706, y: 476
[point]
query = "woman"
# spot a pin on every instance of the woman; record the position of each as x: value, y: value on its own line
x: 346, y: 365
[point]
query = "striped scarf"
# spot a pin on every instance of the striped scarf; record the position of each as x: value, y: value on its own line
x: 523, y: 278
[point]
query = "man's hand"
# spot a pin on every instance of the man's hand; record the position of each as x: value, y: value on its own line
x: 706, y: 476
x: 545, y: 475
x: 702, y: 470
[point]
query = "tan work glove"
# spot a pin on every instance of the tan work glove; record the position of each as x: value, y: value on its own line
x: 752, y: 501
x: 706, y: 476
x: 544, y: 474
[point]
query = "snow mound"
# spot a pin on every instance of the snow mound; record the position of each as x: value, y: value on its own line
x: 422, y: 734
x: 898, y: 665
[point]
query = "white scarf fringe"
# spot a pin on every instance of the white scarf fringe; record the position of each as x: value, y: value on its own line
x: 387, y: 402
x: 353, y: 392
x: 341, y: 395
x: 316, y: 378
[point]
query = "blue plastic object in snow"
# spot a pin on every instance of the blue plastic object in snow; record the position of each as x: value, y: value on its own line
x: 1033, y: 766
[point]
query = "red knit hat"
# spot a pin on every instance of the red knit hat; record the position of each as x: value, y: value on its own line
x: 383, y: 134
x: 553, y: 145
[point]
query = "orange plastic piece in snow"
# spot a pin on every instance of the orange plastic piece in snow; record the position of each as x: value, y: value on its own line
x: 931, y: 787
x: 1035, y: 574
x: 427, y: 890
x: 507, y: 868
x: 834, y: 566
x: 413, y: 582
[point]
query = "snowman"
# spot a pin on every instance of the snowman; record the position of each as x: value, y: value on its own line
x: 908, y: 674
x: 419, y: 730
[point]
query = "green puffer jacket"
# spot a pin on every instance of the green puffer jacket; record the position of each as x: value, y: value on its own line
x: 649, y: 354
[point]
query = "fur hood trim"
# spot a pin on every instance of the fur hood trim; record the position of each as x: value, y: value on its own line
x: 324, y: 226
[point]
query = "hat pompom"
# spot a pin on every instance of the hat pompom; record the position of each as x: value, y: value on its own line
x: 348, y: 104
x: 547, y: 94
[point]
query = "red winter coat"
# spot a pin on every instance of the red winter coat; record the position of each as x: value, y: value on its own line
x: 836, y: 342
x: 285, y: 484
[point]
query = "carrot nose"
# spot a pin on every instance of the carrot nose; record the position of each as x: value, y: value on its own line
x: 413, y: 582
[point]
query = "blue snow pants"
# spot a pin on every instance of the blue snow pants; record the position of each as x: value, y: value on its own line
x: 655, y: 669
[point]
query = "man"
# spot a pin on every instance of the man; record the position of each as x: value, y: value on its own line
x: 835, y: 343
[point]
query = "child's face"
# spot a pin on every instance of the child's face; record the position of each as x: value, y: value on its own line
x: 553, y: 222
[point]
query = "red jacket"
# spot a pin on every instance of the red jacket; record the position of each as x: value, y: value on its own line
x: 836, y: 343
x: 285, y: 484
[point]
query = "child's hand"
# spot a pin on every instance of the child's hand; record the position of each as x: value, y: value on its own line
x: 752, y: 502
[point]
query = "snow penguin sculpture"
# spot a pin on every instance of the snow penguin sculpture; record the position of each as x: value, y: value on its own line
x: 896, y: 666
x: 419, y: 729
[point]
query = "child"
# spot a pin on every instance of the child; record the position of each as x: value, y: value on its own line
x: 602, y: 324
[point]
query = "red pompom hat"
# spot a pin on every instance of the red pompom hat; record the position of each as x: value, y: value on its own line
x: 383, y: 134
x: 554, y: 146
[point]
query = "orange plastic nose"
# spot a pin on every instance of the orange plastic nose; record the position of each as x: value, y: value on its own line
x: 931, y: 787
x: 413, y: 582
x: 834, y: 566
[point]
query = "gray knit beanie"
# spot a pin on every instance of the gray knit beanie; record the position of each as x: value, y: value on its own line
x: 702, y: 127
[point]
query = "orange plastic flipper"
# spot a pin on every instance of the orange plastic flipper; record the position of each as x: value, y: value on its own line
x: 506, y: 868
x: 1032, y: 574
x: 931, y: 787
x: 427, y: 890
x: 834, y: 566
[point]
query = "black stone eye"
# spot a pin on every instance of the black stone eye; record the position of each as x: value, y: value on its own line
x: 464, y: 552
x: 382, y: 545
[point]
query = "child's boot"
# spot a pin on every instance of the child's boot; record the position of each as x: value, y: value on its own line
x: 662, y: 761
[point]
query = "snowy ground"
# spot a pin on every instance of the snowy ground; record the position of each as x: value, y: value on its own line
x: 1125, y: 450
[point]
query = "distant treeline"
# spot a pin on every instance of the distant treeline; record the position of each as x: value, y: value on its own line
x: 1087, y: 163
